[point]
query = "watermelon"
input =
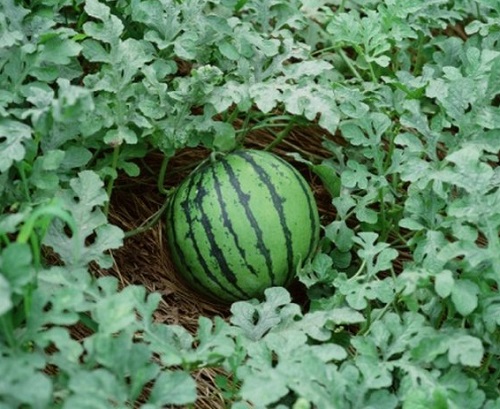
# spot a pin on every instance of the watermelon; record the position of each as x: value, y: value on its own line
x: 241, y: 223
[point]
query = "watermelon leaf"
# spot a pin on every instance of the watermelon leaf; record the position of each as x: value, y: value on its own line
x: 391, y: 109
x: 82, y: 201
x: 173, y: 388
x: 255, y: 320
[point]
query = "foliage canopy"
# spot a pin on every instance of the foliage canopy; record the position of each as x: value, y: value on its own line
x: 403, y: 305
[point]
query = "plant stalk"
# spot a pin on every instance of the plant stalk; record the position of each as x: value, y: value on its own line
x: 280, y: 136
x: 152, y: 221
x: 161, y: 176
x: 111, y: 181
x: 7, y: 329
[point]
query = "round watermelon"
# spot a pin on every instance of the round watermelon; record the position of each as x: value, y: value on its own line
x: 241, y: 223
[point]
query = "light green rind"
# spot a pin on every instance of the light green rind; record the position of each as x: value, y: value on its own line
x: 241, y: 224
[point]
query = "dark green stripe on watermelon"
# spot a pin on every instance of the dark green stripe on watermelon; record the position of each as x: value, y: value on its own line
x: 174, y: 241
x: 185, y: 205
x: 313, y: 211
x: 215, y: 250
x: 229, y: 224
x: 278, y: 203
x: 244, y: 201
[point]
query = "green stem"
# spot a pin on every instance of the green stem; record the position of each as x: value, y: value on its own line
x: 7, y: 329
x: 280, y: 136
x: 441, y: 318
x: 161, y: 177
x: 349, y: 64
x: 37, y: 262
x: 367, y: 328
x: 232, y: 116
x: 5, y: 239
x: 360, y: 51
x: 358, y: 273
x: 342, y: 54
x: 257, y: 127
x: 419, y: 59
x: 152, y: 221
x: 24, y: 180
x: 324, y: 50
x: 403, y: 239
x: 111, y: 181
x: 35, y: 248
x: 243, y: 131
x: 372, y: 73
x: 88, y: 322
x: 265, y: 123
x: 383, y: 211
x: 390, y: 149
x: 478, y: 13
x: 485, y: 366
x: 81, y: 19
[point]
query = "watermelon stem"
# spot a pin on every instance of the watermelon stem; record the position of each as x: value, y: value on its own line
x: 243, y: 131
x: 148, y: 224
x: 111, y: 181
x: 7, y: 329
x: 349, y: 63
x: 22, y: 167
x: 161, y: 176
x: 280, y: 136
x: 359, y: 272
x: 232, y: 116
x: 215, y: 155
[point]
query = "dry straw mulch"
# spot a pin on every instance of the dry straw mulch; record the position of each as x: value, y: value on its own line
x: 144, y: 258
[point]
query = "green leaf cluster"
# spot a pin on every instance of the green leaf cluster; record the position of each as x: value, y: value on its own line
x: 402, y: 297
